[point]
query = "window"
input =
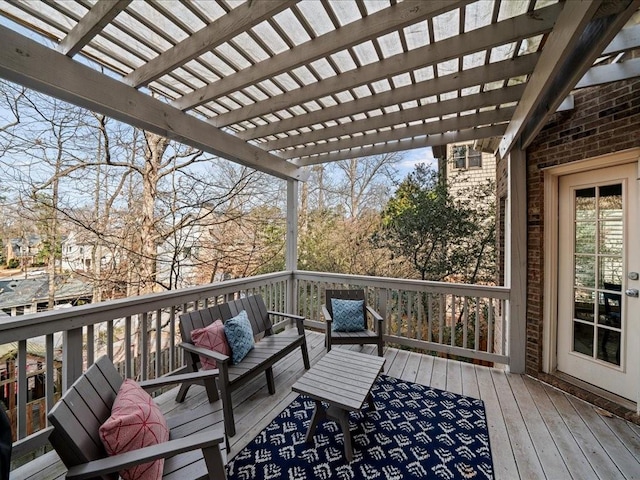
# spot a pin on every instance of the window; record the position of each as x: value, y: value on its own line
x: 466, y: 157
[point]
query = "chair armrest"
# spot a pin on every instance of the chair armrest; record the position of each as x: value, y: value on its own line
x: 377, y: 318
x: 325, y: 313
x: 205, y: 352
x: 193, y: 377
x: 122, y: 461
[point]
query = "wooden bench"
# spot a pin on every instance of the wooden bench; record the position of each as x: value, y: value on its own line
x: 196, y: 446
x: 269, y: 347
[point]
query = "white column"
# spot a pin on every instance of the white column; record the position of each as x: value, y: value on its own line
x: 516, y: 260
x: 291, y: 248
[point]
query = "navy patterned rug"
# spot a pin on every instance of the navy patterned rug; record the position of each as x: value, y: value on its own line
x: 414, y: 432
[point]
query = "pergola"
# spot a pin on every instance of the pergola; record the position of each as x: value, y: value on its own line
x: 280, y: 85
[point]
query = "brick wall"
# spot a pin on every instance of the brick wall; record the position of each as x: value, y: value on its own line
x: 605, y: 120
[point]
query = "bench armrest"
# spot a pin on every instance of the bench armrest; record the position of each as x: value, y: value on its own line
x: 298, y: 318
x: 205, y: 352
x: 115, y: 463
x: 193, y: 377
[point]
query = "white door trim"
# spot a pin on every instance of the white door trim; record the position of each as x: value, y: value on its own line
x: 550, y: 245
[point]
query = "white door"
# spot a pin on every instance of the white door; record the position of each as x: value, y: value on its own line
x: 599, y: 260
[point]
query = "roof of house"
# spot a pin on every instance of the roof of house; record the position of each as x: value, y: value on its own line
x: 19, y: 292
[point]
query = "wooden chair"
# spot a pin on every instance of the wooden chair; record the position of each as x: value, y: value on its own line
x: 372, y: 333
x: 269, y: 349
x: 196, y: 446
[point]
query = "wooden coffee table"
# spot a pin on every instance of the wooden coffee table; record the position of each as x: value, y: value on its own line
x: 343, y: 379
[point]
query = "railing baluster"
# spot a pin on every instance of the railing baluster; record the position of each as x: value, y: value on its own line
x: 430, y: 317
x: 90, y: 342
x: 159, y: 371
x: 143, y: 349
x: 127, y: 348
x: 490, y: 326
x: 109, y: 339
x: 172, y: 339
x: 49, y: 372
x: 454, y: 321
x: 476, y: 339
x: 441, y: 318
x: 22, y: 390
x: 465, y: 320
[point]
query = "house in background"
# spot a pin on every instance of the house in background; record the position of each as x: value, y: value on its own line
x: 24, y: 249
x: 78, y: 250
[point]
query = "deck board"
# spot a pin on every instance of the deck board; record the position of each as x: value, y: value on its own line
x: 536, y: 431
x: 593, y: 452
x: 525, y: 454
x: 565, y: 442
x: 547, y: 452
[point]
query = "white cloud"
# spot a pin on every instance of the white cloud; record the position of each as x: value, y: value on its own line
x: 414, y: 157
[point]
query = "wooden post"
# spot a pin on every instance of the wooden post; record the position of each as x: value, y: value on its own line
x: 516, y: 261
x: 71, y: 357
x: 291, y: 259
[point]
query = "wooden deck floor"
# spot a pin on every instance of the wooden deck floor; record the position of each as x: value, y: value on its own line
x: 536, y: 431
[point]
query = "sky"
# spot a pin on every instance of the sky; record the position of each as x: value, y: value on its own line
x: 413, y: 157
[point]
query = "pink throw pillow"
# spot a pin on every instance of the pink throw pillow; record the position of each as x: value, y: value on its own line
x: 211, y: 337
x: 135, y: 422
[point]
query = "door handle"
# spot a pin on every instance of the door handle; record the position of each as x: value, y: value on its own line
x: 631, y: 292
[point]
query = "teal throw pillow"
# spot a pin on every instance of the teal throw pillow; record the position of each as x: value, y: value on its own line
x: 348, y: 315
x: 239, y: 335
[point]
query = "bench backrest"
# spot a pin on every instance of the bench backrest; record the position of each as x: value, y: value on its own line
x: 254, y: 306
x: 77, y: 416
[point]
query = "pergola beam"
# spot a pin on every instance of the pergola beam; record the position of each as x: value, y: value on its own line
x: 610, y: 73
x: 448, y: 125
x: 35, y: 66
x: 523, y: 65
x: 90, y: 25
x: 222, y: 30
x: 480, y: 39
x: 409, y: 144
x: 375, y: 25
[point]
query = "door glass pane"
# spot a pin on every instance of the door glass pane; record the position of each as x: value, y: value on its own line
x: 586, y: 204
x: 611, y: 237
x: 609, y: 345
x: 583, y: 338
x: 583, y: 305
x: 610, y: 269
x: 585, y: 237
x: 585, y: 272
x: 610, y: 201
x: 611, y: 312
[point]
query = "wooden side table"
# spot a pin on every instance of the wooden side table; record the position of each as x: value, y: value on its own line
x: 343, y: 379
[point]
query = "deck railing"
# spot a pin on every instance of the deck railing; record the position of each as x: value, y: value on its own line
x: 141, y: 333
x: 466, y: 321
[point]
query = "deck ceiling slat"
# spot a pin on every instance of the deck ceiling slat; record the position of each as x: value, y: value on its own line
x: 438, y: 52
x: 303, y: 82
